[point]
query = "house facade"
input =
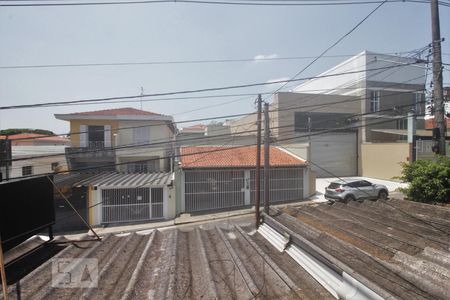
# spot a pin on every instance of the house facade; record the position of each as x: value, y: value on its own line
x: 125, y: 140
x: 34, y: 154
x: 220, y: 177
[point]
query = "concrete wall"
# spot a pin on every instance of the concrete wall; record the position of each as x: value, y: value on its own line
x: 40, y: 165
x: 160, y: 134
x: 382, y: 160
x: 289, y: 103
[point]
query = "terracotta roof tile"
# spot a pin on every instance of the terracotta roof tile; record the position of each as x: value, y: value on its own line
x: 431, y: 123
x: 35, y: 136
x: 127, y: 111
x: 226, y: 157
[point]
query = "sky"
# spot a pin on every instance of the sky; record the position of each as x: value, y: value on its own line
x: 183, y: 31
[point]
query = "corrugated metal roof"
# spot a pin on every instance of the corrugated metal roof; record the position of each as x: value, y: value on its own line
x: 398, y: 249
x: 401, y: 246
x: 215, y: 261
x: 127, y: 179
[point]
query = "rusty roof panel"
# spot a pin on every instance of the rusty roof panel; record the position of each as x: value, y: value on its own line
x: 228, y: 262
x: 402, y: 246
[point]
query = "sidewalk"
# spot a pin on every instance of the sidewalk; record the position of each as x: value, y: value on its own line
x: 184, y: 219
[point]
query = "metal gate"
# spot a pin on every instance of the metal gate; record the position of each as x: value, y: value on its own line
x: 132, y: 204
x: 285, y: 184
x: 214, y: 189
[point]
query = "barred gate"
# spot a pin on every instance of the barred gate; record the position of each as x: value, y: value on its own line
x: 285, y: 184
x: 132, y: 204
x: 218, y: 189
x: 213, y: 189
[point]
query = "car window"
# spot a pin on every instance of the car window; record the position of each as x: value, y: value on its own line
x: 365, y: 183
x: 353, y: 184
x: 334, y: 185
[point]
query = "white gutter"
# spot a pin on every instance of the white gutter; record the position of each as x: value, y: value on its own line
x: 341, y: 286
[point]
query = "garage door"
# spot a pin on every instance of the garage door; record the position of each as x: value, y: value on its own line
x: 132, y: 204
x: 213, y: 189
x: 334, y: 154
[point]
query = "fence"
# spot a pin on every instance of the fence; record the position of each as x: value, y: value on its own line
x: 219, y: 189
x: 132, y: 204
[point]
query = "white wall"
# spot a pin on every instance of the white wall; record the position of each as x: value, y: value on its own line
x: 40, y: 165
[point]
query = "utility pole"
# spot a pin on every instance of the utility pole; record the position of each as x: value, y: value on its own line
x: 438, y: 95
x: 258, y: 163
x: 3, y: 273
x: 266, y: 158
x: 412, y: 136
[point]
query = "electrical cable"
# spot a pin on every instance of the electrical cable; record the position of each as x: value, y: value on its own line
x: 47, y: 104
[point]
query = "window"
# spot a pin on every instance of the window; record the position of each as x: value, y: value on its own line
x: 27, y: 170
x: 55, y: 165
x: 418, y: 102
x: 141, y: 135
x: 402, y: 124
x: 96, y: 136
x: 144, y: 167
x: 374, y: 101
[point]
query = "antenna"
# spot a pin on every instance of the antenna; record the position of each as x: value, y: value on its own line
x: 142, y: 94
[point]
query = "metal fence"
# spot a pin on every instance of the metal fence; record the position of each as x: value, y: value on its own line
x: 132, y: 204
x: 218, y: 189
x: 285, y: 184
x: 423, y: 149
x: 213, y: 189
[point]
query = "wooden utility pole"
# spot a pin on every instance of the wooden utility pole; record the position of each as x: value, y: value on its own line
x: 3, y: 273
x: 266, y: 158
x: 258, y: 163
x: 438, y: 95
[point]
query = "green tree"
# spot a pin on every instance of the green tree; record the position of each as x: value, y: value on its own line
x: 12, y: 131
x: 429, y: 180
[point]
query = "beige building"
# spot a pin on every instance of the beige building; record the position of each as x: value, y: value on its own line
x: 126, y: 140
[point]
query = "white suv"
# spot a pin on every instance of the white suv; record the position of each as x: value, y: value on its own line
x: 346, y: 190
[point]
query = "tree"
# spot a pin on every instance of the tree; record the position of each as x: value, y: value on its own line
x: 12, y: 131
x: 429, y: 180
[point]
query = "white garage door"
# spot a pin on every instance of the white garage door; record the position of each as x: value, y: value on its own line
x: 334, y: 154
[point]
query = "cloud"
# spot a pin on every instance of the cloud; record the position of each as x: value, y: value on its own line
x: 264, y: 56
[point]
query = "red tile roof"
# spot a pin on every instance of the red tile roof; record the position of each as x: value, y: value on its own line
x: 127, y: 111
x: 228, y: 157
x: 431, y: 123
x: 28, y: 138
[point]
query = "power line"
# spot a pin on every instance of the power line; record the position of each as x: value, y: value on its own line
x: 47, y: 104
x: 173, y: 62
x: 212, y: 151
x: 350, y: 99
x: 128, y: 146
x: 40, y: 3
x: 333, y: 45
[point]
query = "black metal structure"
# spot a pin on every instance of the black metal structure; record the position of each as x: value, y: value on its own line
x: 26, y: 208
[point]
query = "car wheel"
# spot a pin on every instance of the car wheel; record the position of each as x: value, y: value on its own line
x: 349, y: 198
x: 382, y: 195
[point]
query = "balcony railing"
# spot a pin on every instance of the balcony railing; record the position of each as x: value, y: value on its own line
x: 95, y: 149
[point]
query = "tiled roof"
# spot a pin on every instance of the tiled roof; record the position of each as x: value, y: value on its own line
x: 30, y: 137
x: 431, y: 123
x: 126, y: 111
x: 227, y: 157
x: 194, y: 128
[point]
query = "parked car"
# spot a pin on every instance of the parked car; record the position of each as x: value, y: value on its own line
x: 348, y: 190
